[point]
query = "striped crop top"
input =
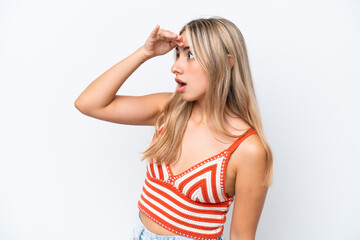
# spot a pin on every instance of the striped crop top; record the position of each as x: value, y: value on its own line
x: 193, y: 203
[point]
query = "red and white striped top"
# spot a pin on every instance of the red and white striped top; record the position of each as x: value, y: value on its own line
x: 193, y: 203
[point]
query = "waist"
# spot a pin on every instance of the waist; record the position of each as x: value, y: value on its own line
x: 141, y: 232
x: 180, y: 213
x: 154, y: 227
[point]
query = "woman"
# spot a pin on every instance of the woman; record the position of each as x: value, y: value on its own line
x: 209, y: 148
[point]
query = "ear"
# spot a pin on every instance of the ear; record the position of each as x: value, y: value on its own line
x: 231, y: 60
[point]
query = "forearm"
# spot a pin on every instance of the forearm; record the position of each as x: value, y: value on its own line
x: 237, y: 237
x: 103, y: 89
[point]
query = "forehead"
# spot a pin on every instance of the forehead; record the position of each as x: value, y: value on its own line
x: 184, y: 37
x: 183, y: 34
x: 185, y: 41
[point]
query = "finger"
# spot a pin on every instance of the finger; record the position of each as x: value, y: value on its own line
x: 180, y: 44
x: 173, y: 44
x: 155, y: 31
x: 179, y: 38
x: 179, y: 41
x: 167, y: 34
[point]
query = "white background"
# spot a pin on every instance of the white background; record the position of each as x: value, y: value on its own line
x: 64, y: 175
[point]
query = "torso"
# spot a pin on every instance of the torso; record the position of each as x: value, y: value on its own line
x: 198, y: 135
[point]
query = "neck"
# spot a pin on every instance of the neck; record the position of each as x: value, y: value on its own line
x: 198, y: 112
x: 197, y: 115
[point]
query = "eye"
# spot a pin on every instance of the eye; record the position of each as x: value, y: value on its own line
x: 176, y: 53
x: 190, y: 55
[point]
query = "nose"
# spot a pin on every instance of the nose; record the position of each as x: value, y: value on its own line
x: 176, y: 67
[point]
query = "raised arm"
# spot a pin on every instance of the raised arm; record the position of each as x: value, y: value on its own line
x: 99, y: 99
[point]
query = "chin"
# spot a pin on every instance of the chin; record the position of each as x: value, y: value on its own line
x: 189, y: 99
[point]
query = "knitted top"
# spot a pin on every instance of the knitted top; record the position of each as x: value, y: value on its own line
x: 193, y: 203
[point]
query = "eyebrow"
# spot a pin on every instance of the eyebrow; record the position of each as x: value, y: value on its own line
x: 184, y: 49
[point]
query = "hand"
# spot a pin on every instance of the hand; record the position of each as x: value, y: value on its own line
x: 160, y: 42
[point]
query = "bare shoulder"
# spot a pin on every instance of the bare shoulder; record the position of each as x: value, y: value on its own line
x: 249, y: 162
x: 251, y: 150
x: 251, y: 154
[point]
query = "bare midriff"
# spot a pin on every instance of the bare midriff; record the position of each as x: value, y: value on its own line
x: 154, y: 227
x: 192, y: 136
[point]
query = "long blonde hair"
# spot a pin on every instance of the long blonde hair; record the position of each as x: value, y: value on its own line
x: 211, y: 40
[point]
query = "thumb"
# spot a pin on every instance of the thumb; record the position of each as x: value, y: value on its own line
x: 155, y: 31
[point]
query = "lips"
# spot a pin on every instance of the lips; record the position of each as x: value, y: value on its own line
x: 181, y: 85
x: 180, y: 82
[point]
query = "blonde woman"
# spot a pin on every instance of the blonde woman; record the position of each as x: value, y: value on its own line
x: 208, y: 149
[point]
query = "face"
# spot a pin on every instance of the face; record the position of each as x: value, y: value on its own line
x: 188, y: 71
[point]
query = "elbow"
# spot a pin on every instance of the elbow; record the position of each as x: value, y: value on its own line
x: 85, y: 109
x: 79, y: 106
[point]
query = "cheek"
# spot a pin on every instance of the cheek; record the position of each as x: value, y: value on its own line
x: 199, y: 73
x: 203, y: 79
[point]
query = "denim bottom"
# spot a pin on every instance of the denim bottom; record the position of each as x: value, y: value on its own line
x: 141, y: 233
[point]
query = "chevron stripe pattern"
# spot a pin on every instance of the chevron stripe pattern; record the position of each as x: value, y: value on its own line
x: 193, y: 203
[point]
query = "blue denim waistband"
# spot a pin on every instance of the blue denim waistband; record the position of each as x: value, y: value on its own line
x: 141, y: 233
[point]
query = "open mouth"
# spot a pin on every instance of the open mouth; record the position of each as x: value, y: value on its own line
x: 181, y: 83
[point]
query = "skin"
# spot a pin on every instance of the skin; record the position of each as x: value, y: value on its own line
x: 244, y: 174
x: 187, y: 69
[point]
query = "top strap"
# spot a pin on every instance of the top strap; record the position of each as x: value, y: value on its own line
x: 161, y: 128
x: 236, y: 143
x: 240, y: 139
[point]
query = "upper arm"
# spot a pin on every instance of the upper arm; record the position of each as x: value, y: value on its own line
x: 250, y: 190
x: 132, y: 110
